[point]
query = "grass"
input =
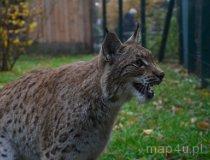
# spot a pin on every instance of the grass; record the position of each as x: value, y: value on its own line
x: 174, y: 125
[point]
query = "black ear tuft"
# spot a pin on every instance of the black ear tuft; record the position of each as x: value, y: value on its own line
x: 137, y: 30
x: 106, y: 30
x: 135, y: 36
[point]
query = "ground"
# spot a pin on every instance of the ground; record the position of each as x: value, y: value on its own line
x: 174, y: 125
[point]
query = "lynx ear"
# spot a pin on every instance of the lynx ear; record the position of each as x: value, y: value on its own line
x: 110, y: 45
x: 135, y: 37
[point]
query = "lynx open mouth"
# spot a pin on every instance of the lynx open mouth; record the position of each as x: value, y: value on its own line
x: 146, y: 90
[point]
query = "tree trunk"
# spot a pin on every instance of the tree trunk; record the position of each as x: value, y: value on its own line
x: 5, y: 50
x: 5, y: 66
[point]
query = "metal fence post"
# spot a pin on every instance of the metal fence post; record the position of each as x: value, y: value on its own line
x: 120, y: 22
x: 161, y: 53
x: 192, y: 57
x: 179, y: 19
x: 205, y: 47
x: 143, y: 22
x: 104, y: 17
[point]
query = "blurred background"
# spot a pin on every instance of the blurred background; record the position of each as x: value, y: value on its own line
x: 176, y: 30
x: 38, y: 34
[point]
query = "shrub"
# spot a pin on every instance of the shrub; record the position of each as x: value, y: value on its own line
x: 16, y: 23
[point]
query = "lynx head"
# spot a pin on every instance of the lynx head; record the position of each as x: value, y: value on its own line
x: 128, y: 69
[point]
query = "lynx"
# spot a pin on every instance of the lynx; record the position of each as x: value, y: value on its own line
x: 68, y: 113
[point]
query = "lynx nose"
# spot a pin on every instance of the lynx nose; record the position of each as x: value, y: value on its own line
x: 160, y: 75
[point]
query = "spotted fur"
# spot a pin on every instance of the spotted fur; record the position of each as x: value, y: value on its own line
x: 68, y: 113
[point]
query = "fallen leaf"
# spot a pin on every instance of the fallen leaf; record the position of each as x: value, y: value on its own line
x: 203, y: 125
x: 193, y: 120
x: 147, y: 131
x: 189, y: 101
x: 176, y: 109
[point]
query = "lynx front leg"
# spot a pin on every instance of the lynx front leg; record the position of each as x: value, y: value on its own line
x: 6, y: 150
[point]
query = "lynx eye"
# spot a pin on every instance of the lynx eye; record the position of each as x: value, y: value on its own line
x: 138, y: 63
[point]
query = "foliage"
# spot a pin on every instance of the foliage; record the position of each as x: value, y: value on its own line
x: 16, y: 23
x: 178, y: 115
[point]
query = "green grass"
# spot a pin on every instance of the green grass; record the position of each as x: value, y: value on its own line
x: 28, y: 63
x: 179, y: 115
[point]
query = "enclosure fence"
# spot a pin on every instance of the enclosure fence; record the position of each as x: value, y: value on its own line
x: 194, y: 33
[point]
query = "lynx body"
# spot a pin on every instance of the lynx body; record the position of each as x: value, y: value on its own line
x: 68, y: 113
